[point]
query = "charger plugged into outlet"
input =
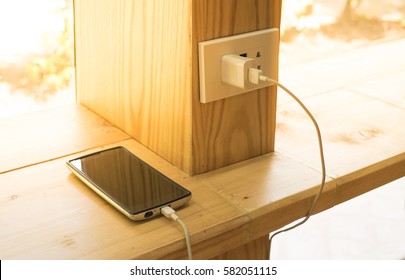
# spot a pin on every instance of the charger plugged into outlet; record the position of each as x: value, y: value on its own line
x: 222, y: 62
x: 234, y: 70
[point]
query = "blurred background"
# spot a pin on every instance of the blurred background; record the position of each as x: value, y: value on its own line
x: 310, y: 28
x: 36, y: 55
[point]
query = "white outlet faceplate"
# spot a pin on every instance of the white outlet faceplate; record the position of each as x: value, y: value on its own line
x: 263, y: 45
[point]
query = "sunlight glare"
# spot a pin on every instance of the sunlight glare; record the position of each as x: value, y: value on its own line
x: 23, y: 24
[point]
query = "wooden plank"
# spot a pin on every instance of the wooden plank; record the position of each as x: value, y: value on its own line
x: 388, y: 87
x: 346, y: 68
x: 363, y: 140
x: 361, y: 181
x: 47, y: 213
x: 258, y: 249
x: 358, y: 131
x: 49, y: 134
x: 273, y: 190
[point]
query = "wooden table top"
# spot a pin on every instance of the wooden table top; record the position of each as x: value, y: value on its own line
x: 47, y: 213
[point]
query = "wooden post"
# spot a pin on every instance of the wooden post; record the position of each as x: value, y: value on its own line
x: 137, y: 67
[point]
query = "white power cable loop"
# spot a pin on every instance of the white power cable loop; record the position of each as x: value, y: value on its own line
x: 255, y: 77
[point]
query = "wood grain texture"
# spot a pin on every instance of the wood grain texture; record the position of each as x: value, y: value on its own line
x: 274, y: 190
x: 358, y: 131
x: 237, y: 128
x: 49, y: 134
x: 47, y: 213
x: 370, y: 177
x: 258, y: 249
x: 232, y: 210
x: 132, y: 61
x: 363, y: 139
x: 137, y: 66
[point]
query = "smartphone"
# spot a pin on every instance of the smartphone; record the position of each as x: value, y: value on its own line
x: 131, y: 185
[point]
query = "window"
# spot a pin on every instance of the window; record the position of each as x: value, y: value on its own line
x: 36, y: 55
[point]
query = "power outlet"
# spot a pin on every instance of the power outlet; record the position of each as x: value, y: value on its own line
x: 261, y: 45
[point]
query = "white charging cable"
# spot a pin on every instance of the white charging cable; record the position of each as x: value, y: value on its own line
x: 168, y: 212
x: 255, y: 77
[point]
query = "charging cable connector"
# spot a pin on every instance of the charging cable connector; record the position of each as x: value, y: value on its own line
x: 168, y: 212
x: 256, y: 76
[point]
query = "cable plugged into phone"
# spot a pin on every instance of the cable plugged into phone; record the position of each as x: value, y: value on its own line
x: 169, y: 213
x: 244, y: 73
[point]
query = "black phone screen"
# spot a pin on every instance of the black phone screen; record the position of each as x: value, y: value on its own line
x: 127, y: 180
